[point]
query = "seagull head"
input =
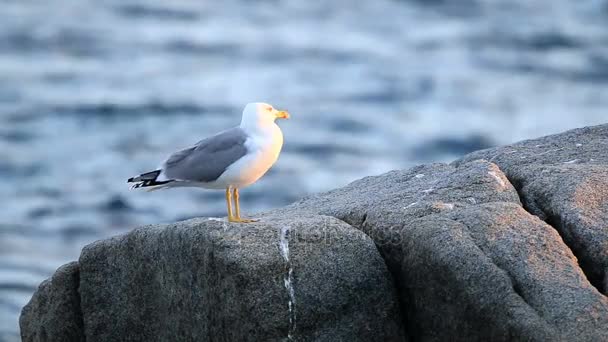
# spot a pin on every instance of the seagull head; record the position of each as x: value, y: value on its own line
x: 259, y: 114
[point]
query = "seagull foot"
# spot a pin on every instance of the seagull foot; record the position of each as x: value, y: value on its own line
x: 241, y: 220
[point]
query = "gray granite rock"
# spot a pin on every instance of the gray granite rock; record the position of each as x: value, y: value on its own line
x: 542, y: 270
x: 307, y: 278
x: 469, y: 262
x: 53, y: 313
x: 510, y: 248
x: 563, y: 179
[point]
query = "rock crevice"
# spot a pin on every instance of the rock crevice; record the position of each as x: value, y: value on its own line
x: 563, y: 180
x: 553, y: 219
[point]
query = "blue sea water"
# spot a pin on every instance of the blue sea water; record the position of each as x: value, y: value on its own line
x: 93, y: 92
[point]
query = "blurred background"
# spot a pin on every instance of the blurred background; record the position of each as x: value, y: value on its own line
x: 93, y: 92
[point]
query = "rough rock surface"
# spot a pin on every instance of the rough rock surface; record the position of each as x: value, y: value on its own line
x: 53, y: 313
x: 469, y: 262
x: 314, y: 278
x: 438, y: 252
x: 563, y: 179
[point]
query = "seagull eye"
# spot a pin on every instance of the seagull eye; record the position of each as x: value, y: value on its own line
x: 269, y: 109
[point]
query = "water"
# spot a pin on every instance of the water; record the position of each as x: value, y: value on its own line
x: 93, y: 92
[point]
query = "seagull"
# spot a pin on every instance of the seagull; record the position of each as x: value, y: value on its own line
x: 230, y: 160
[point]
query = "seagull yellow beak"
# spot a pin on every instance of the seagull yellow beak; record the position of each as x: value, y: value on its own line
x: 282, y: 114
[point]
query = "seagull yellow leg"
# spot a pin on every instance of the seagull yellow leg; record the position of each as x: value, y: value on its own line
x: 237, y: 205
x: 237, y: 208
x: 229, y: 205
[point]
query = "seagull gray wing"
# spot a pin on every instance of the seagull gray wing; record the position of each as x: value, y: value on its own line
x: 208, y: 159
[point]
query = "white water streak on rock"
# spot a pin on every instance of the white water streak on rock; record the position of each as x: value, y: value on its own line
x: 288, y: 280
x: 410, y: 205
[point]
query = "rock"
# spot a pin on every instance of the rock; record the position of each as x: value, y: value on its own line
x: 563, y: 179
x: 309, y: 278
x: 478, y: 250
x: 469, y: 262
x: 53, y: 313
x: 543, y: 271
